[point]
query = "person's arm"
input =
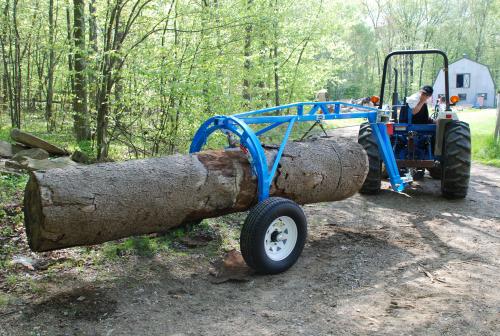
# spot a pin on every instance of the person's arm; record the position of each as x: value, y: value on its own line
x: 421, y: 102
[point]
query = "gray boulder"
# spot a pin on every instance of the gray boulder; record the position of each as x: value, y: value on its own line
x: 33, y: 153
x: 6, y: 170
x: 80, y: 157
x: 6, y: 149
x: 46, y: 164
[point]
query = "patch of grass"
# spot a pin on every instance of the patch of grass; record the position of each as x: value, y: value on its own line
x: 63, y: 136
x: 4, y: 300
x: 482, y: 125
x: 10, y: 185
x: 143, y: 246
x: 228, y: 230
x: 480, y: 121
x: 12, y: 279
x: 11, y: 215
x: 485, y: 150
x: 4, y: 132
x: 87, y: 148
x: 35, y: 287
x: 172, y: 242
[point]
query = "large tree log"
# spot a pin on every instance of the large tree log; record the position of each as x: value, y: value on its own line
x: 92, y: 204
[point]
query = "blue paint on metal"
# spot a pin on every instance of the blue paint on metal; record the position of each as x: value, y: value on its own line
x: 268, y: 128
x: 239, y: 124
x: 280, y: 151
x: 386, y: 151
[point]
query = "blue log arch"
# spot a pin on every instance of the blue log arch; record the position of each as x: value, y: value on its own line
x: 247, y: 138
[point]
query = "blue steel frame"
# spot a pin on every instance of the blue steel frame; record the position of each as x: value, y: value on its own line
x: 238, y: 124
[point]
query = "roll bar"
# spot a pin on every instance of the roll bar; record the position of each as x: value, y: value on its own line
x: 418, y: 52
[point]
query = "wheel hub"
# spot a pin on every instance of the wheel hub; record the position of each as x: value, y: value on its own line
x: 280, y: 238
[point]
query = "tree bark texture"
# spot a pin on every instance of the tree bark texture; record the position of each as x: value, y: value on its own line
x: 50, y: 71
x: 87, y: 205
x: 81, y: 117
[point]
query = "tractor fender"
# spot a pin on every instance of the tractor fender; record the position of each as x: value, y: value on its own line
x: 440, y: 130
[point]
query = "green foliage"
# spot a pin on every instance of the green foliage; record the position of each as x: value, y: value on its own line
x: 86, y: 147
x: 10, y: 186
x: 4, y: 130
x: 186, y: 61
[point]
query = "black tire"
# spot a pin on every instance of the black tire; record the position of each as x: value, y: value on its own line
x: 255, y: 230
x: 456, y: 160
x: 435, y: 172
x: 372, y: 182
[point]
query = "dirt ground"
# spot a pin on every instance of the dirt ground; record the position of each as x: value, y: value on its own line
x: 391, y: 264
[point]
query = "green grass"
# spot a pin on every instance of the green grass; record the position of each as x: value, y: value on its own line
x: 4, y: 299
x: 10, y: 185
x: 60, y: 137
x: 142, y: 246
x: 482, y: 125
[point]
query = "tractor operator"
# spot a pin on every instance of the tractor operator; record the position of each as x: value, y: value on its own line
x: 418, y: 102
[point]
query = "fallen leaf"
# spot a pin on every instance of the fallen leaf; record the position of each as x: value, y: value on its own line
x: 231, y: 267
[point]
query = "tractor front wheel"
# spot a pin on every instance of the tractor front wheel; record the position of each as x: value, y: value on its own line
x: 273, y: 235
x: 456, y: 160
x: 373, y: 179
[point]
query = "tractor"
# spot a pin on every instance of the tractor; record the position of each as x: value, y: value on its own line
x: 442, y: 146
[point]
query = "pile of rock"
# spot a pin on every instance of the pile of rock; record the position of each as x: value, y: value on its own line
x: 30, y: 153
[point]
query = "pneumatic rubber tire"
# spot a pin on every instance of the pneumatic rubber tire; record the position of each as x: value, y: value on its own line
x: 256, y: 239
x: 373, y: 180
x: 456, y: 160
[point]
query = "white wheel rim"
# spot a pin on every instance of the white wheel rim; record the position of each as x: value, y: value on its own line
x: 280, y: 238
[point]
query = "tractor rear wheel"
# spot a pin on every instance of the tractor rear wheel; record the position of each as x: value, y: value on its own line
x: 456, y: 161
x: 373, y: 179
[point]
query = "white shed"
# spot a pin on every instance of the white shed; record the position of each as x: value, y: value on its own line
x: 470, y: 81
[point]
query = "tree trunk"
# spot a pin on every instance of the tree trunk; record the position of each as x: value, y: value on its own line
x: 81, y: 118
x: 92, y: 204
x: 50, y: 71
x: 17, y: 68
x: 247, y: 53
x: 69, y: 37
x: 275, y: 56
x: 92, y: 52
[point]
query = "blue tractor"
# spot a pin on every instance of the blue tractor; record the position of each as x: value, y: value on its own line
x: 442, y: 146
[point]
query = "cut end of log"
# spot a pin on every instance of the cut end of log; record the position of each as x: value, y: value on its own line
x: 36, y: 198
x: 33, y: 213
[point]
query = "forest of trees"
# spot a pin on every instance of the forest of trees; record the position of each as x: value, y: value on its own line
x: 146, y: 73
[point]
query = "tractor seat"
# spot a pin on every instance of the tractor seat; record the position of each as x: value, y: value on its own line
x: 403, y: 114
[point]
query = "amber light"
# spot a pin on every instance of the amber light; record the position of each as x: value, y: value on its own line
x: 374, y: 99
x: 454, y: 99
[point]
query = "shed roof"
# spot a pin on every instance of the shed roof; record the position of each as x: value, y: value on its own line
x: 468, y: 59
